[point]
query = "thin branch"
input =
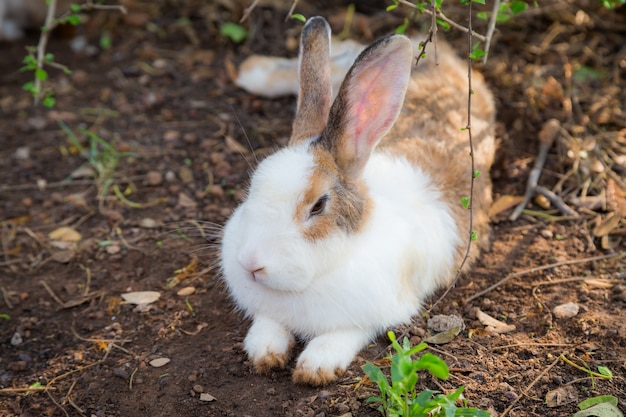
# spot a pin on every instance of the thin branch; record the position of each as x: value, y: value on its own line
x: 247, y: 11
x: 293, y: 7
x: 491, y: 28
x: 473, y: 168
x: 445, y: 19
x: 547, y: 135
x: 542, y: 268
x: 43, y: 42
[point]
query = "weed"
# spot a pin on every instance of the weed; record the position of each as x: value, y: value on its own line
x: 400, y: 398
x: 102, y: 157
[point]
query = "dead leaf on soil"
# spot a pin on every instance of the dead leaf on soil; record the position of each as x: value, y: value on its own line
x: 141, y: 297
x: 199, y: 328
x: 443, y: 337
x: 63, y: 256
x: 561, y: 396
x: 235, y: 147
x: 492, y: 324
x: 504, y: 203
x: 185, y: 201
x: 84, y: 299
x: 600, y: 410
x: 207, y: 397
x: 607, y: 225
x: 159, y: 362
x: 615, y: 198
x: 65, y: 234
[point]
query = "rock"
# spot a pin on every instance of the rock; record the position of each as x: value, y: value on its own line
x: 16, y: 340
x: 566, y: 311
x: 17, y: 366
x: 185, y: 174
x: 198, y: 388
x: 121, y: 373
x: 184, y: 292
x: 154, y: 178
x: 443, y: 323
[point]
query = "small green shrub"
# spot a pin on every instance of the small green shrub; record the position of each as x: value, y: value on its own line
x: 400, y: 398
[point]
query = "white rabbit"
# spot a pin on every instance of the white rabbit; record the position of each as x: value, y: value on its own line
x: 339, y: 238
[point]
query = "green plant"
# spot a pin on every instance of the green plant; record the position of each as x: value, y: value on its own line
x: 37, y: 59
x: 234, y: 32
x: 601, y: 406
x: 400, y: 397
x: 102, y: 157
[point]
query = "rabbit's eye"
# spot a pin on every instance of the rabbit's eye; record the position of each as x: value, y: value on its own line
x: 319, y: 206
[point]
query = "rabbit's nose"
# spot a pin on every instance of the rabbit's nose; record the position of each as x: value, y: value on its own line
x: 251, y: 264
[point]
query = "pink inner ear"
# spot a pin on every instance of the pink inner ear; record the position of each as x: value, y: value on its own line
x: 375, y: 96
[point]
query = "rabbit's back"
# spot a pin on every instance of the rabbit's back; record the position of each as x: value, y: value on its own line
x: 430, y: 133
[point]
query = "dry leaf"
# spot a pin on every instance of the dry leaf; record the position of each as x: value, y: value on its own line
x: 159, y: 362
x: 206, y: 397
x: 492, y: 324
x: 443, y: 337
x: 607, y: 225
x: 141, y: 297
x: 63, y: 256
x: 615, y: 198
x: 235, y: 147
x: 503, y: 203
x: 561, y: 396
x: 65, y: 234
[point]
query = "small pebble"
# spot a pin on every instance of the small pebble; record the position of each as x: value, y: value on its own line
x: 547, y: 233
x: 185, y: 174
x: 184, y: 292
x: 170, y: 176
x: 566, y: 311
x: 121, y: 373
x: 154, y: 178
x: 271, y: 391
x: 16, y: 340
x: 443, y: 323
x: 198, y: 388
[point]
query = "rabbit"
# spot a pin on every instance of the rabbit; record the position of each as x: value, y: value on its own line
x: 346, y: 230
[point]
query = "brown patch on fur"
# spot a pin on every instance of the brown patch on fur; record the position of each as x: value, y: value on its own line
x: 428, y: 133
x: 348, y: 204
x: 272, y: 361
x: 315, y: 377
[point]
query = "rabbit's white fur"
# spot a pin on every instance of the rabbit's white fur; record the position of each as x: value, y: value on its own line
x: 338, y: 240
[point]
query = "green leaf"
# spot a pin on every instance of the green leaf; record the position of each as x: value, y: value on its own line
x: 518, y: 7
x: 597, y: 400
x: 600, y: 410
x: 474, y: 236
x: 478, y: 1
x: 49, y: 101
x: 476, y: 53
x: 391, y: 7
x: 465, y: 202
x: 5, y: 316
x: 483, y: 15
x: 434, y: 365
x: 41, y: 74
x: 375, y: 374
x: 299, y: 17
x: 105, y: 40
x: 476, y: 174
x: 75, y: 8
x: 234, y: 32
x: 605, y: 371
x: 445, y: 25
x: 49, y: 57
x: 73, y: 19
x: 402, y: 28
x: 30, y: 87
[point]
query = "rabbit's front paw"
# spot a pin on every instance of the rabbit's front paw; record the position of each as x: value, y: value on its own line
x: 327, y: 356
x: 268, y: 344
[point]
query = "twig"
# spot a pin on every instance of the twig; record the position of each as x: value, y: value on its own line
x: 531, y: 344
x: 5, y: 296
x: 532, y: 384
x: 541, y: 268
x: 491, y: 28
x: 293, y: 7
x: 468, y: 127
x: 43, y: 42
x: 52, y: 294
x: 445, y: 19
x: 557, y: 201
x: 586, y: 370
x: 69, y: 398
x: 547, y: 135
x: 247, y: 11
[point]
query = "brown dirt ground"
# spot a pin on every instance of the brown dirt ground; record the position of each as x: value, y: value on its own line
x: 164, y: 92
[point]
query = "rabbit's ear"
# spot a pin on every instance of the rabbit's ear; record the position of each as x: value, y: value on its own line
x: 315, y: 94
x: 368, y: 103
